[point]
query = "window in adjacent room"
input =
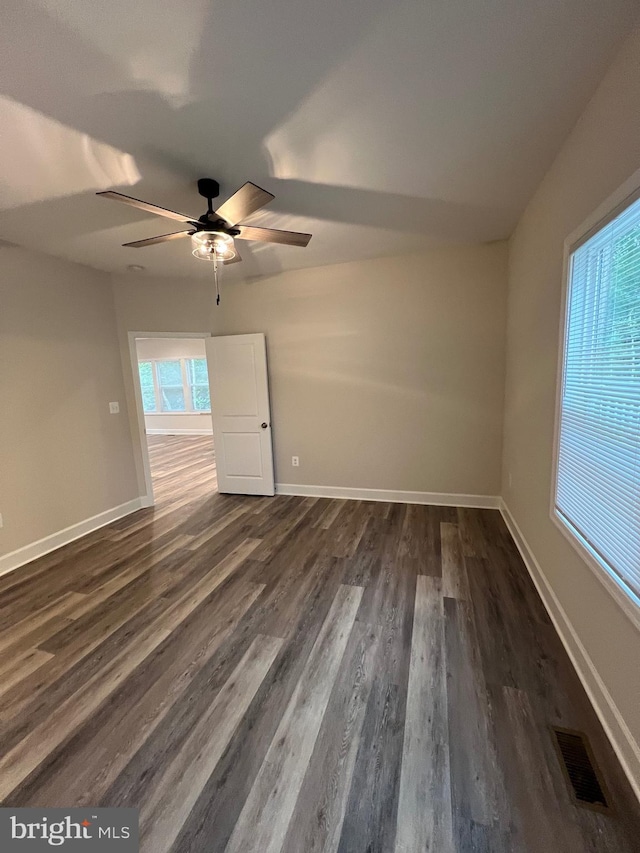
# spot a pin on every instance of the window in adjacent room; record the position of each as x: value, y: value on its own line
x: 597, y: 490
x: 174, y: 385
x: 147, y: 385
x: 171, y: 386
x: 198, y: 384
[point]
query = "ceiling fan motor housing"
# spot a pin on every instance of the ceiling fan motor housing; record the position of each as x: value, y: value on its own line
x: 209, y: 223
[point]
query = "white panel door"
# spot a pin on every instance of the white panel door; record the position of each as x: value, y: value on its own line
x: 240, y: 411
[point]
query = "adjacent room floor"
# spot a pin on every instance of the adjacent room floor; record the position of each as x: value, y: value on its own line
x: 296, y: 674
x: 179, y: 464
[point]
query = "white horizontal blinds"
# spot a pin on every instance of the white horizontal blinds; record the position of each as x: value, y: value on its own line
x: 598, y: 483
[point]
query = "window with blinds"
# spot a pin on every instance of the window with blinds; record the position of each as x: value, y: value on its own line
x: 598, y: 466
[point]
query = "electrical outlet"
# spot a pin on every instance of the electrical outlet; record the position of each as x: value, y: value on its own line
x: 114, y: 408
x: 295, y: 461
x: 1, y: 521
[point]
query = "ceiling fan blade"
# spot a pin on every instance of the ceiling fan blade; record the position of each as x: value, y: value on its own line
x: 163, y: 238
x: 148, y: 208
x: 235, y: 260
x: 273, y: 235
x: 243, y: 203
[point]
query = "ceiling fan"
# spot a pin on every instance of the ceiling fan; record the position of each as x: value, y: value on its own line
x: 212, y: 234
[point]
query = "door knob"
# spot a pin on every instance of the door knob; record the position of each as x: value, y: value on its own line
x: 263, y: 425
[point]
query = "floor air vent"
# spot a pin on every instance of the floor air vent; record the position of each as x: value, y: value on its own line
x: 579, y: 768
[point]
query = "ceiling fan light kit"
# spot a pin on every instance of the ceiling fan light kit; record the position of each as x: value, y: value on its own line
x: 208, y: 245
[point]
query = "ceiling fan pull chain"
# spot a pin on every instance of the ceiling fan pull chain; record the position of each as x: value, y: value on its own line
x: 215, y: 276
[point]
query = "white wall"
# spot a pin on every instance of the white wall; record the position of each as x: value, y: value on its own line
x: 64, y: 458
x: 178, y: 422
x: 385, y: 374
x: 600, y: 154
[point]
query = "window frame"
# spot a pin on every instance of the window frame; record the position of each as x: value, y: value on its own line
x: 186, y: 389
x: 622, y: 593
x: 181, y: 387
x: 191, y: 385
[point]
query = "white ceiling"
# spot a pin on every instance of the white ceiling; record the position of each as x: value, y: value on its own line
x: 380, y: 127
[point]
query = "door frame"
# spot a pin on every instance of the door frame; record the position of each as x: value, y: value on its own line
x: 140, y: 434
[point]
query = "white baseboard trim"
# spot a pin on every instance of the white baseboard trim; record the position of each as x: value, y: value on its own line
x: 429, y: 498
x: 15, y: 559
x: 179, y: 432
x: 624, y: 744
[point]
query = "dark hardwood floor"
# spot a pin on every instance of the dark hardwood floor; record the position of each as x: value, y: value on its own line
x: 299, y: 675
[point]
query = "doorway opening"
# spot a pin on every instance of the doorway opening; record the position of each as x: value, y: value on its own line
x: 172, y: 378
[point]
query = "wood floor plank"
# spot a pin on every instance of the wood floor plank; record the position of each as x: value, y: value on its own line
x: 293, y: 520
x: 370, y: 820
x: 216, y: 529
x: 28, y: 631
x: 28, y: 704
x: 316, y: 824
x: 454, y: 575
x: 34, y: 639
x: 377, y: 541
x: 29, y: 753
x: 105, y: 589
x: 25, y: 757
x: 136, y: 709
x: 349, y: 528
x: 477, y: 784
x: 28, y: 575
x: 424, y: 809
x: 290, y: 582
x: 471, y: 533
x: 210, y: 582
x: 388, y: 602
x: 420, y: 540
x: 216, y: 813
x: 500, y: 665
x: 96, y: 624
x: 265, y: 817
x: 330, y: 514
x: 17, y: 669
x: 175, y: 794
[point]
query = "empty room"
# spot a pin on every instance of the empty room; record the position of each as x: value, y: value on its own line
x: 320, y: 426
